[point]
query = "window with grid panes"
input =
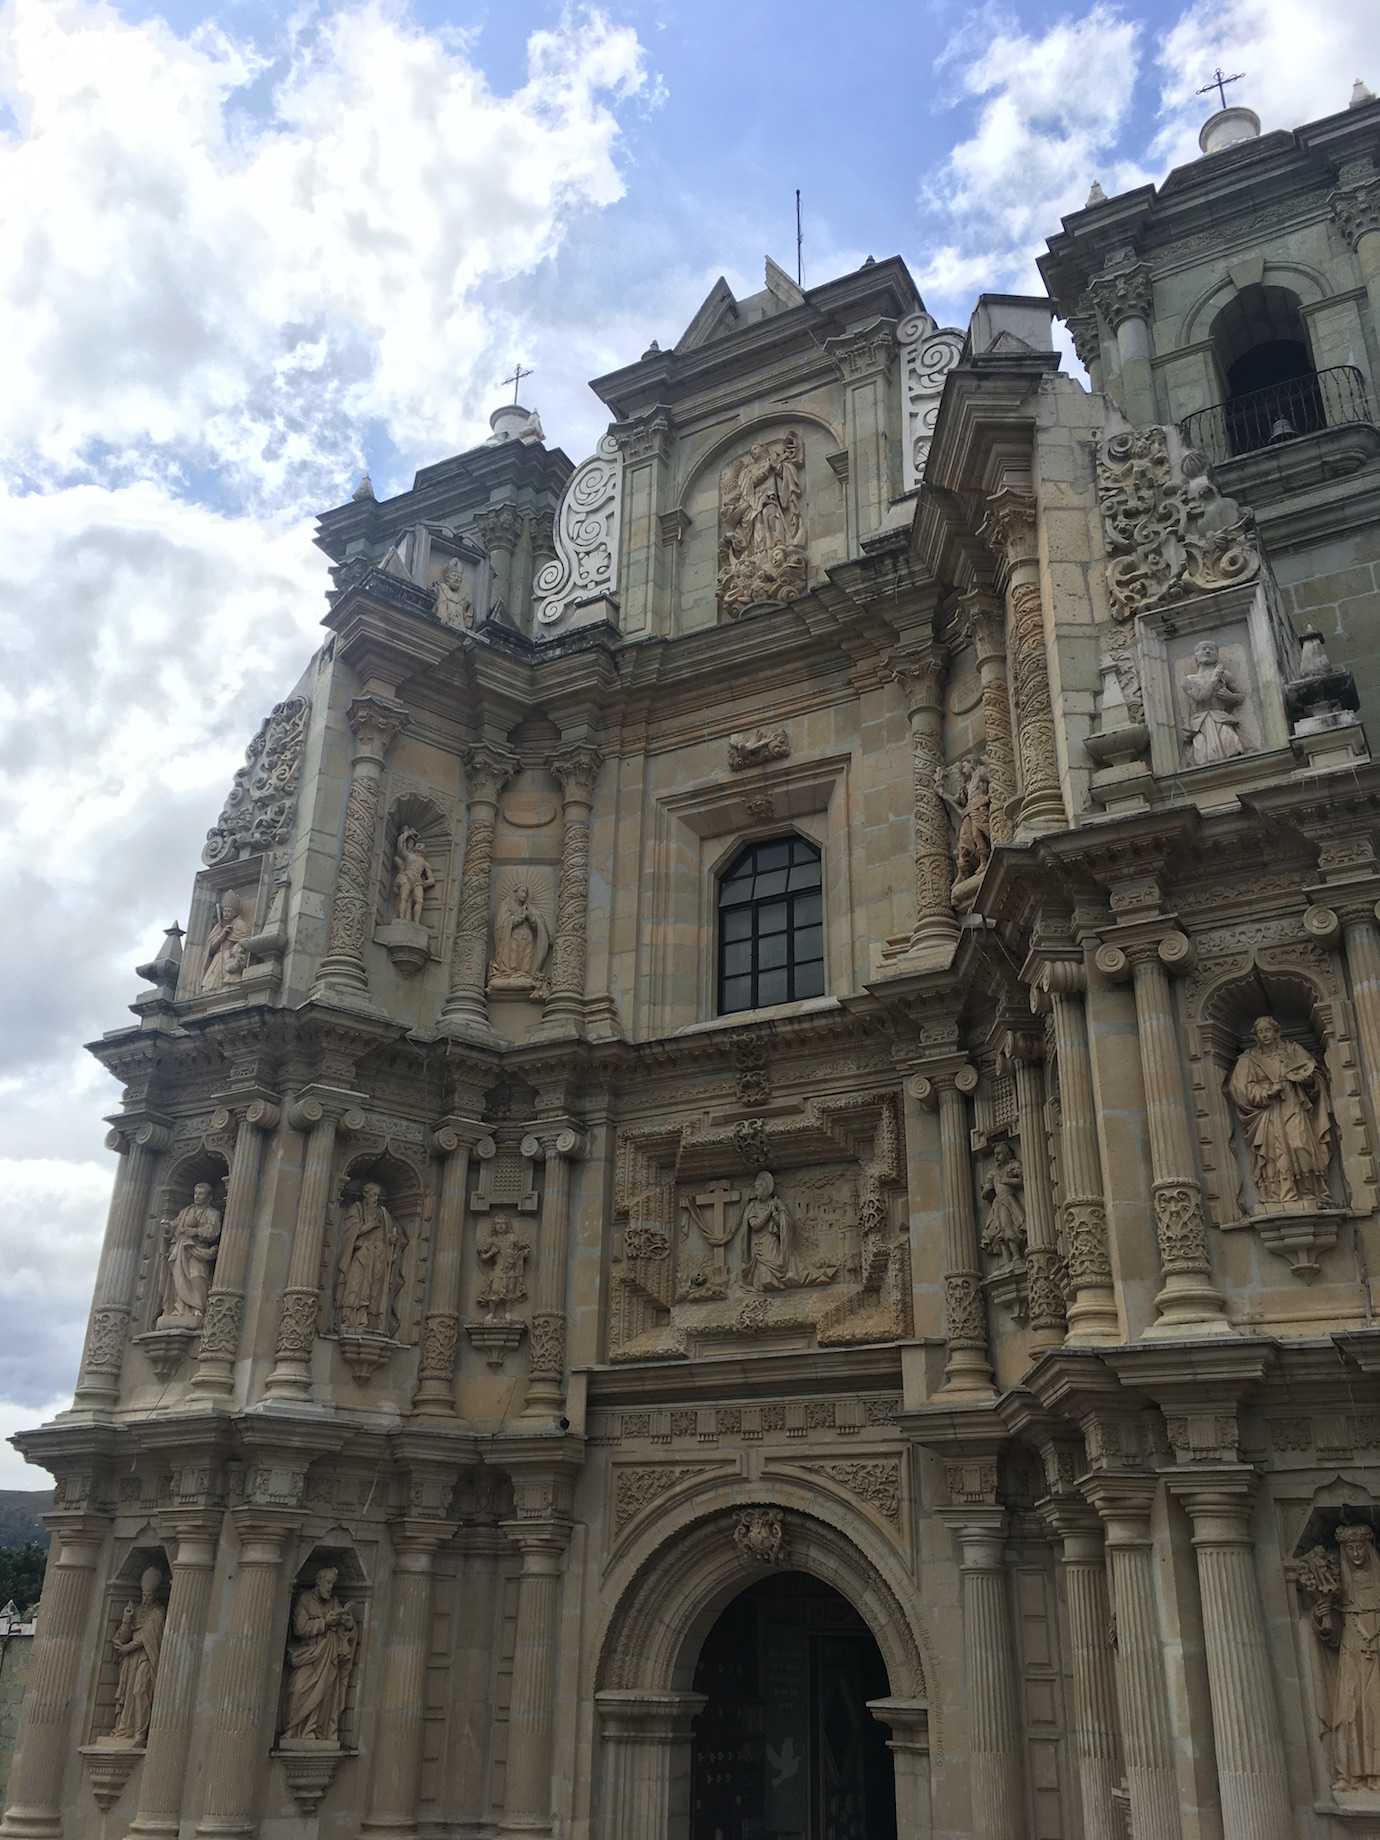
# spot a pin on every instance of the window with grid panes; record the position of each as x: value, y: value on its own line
x: 771, y: 926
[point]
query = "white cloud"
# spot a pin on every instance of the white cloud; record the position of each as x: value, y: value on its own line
x: 245, y: 283
x: 1296, y: 67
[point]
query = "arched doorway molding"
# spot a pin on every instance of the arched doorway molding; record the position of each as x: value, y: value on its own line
x: 666, y: 1593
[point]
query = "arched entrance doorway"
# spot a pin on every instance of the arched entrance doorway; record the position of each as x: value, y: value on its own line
x: 785, y: 1747
x: 666, y: 1598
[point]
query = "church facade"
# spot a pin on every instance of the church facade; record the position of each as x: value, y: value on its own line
x: 750, y: 1208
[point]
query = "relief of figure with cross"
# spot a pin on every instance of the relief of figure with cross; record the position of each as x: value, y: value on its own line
x: 716, y: 1199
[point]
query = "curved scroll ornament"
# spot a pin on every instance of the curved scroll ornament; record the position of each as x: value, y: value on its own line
x: 588, y: 521
x: 257, y: 814
x: 928, y: 353
x: 1170, y: 533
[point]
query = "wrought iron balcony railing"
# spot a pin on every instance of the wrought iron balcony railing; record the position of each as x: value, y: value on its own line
x: 1335, y: 398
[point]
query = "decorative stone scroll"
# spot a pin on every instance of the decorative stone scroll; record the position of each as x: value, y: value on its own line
x: 588, y: 522
x: 257, y: 814
x: 1170, y: 533
x: 928, y: 353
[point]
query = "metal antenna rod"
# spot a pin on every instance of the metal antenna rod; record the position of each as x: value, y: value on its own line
x: 799, y: 243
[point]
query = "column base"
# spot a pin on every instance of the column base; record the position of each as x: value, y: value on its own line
x: 1094, y: 1323
x: 1187, y: 1307
x: 462, y: 1025
x: 31, y: 1824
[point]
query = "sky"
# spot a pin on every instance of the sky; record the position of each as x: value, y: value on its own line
x: 252, y: 249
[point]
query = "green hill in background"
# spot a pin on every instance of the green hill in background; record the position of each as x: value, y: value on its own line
x: 19, y: 1516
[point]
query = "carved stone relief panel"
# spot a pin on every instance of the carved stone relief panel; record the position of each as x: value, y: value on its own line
x: 778, y: 1233
x: 762, y: 525
x: 588, y: 524
x: 258, y: 810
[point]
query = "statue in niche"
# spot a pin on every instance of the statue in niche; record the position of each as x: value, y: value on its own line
x: 504, y: 1254
x: 768, y: 1238
x: 761, y: 525
x: 1214, y: 731
x: 370, y: 1276
x: 453, y: 605
x: 1280, y: 1097
x: 190, y: 1242
x: 320, y: 1658
x: 972, y: 816
x: 1343, y: 1589
x: 1004, y: 1231
x: 411, y: 876
x: 137, y: 1643
x: 226, y: 956
x: 522, y: 941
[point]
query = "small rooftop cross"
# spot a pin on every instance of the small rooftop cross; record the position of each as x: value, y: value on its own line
x: 516, y: 379
x: 1219, y: 83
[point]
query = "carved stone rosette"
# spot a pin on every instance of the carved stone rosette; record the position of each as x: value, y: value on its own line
x: 376, y: 722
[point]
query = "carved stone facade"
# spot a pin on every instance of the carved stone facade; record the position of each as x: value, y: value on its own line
x: 529, y: 1390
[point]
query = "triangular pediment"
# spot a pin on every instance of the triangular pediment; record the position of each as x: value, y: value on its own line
x: 718, y: 313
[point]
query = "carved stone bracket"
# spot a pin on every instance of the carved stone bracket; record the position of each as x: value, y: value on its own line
x: 496, y: 1340
x: 108, y: 1768
x: 587, y: 533
x: 309, y: 1764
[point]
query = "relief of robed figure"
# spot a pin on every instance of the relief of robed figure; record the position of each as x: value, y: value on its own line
x: 191, y: 1241
x: 138, y: 1642
x: 769, y: 1261
x: 1343, y: 1589
x: 370, y: 1275
x: 320, y: 1658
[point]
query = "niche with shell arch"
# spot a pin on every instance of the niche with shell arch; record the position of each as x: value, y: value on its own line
x: 1297, y: 987
x: 823, y: 506
x: 172, y: 1194
x: 354, y: 1592
x: 399, y: 1271
x: 410, y: 944
x: 144, y: 1551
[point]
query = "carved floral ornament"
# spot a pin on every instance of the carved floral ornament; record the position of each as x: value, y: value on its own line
x: 1170, y: 533
x: 257, y: 814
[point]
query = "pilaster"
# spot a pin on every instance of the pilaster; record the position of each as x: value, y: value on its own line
x: 342, y: 978
x: 466, y: 1012
x: 1010, y: 530
x: 968, y: 1366
x: 223, y: 1328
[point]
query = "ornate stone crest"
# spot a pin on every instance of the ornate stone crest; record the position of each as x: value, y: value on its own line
x: 587, y: 526
x: 760, y: 1536
x: 257, y: 814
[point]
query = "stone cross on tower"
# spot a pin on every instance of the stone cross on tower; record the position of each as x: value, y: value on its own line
x: 516, y: 379
x: 1218, y: 83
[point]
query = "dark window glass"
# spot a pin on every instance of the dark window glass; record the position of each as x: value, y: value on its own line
x: 771, y: 937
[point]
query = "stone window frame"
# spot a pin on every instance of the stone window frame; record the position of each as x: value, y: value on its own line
x: 790, y: 839
x: 702, y: 827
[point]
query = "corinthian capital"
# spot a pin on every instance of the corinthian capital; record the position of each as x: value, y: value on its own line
x: 376, y: 722
x: 1009, y: 527
x: 487, y: 771
x: 921, y: 676
x: 1125, y: 293
x: 576, y: 769
x: 1356, y: 210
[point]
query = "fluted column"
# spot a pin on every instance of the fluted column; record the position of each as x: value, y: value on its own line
x: 175, y: 1699
x: 645, y: 1770
x: 575, y: 769
x: 1092, y: 1312
x: 1189, y: 1303
x: 921, y: 678
x: 1124, y: 1504
x: 245, y: 1680
x: 435, y: 1395
x: 34, y: 1789
x: 223, y: 1327
x: 989, y: 638
x: 547, y: 1331
x: 139, y: 1144
x: 477, y: 1596
x: 1124, y: 298
x: 1248, y: 1739
x: 394, y: 1785
x: 321, y: 1114
x: 968, y: 1366
x: 1025, y: 1053
x: 532, y: 1708
x: 1095, y: 1734
x: 487, y: 770
x: 1010, y: 528
x: 376, y: 722
x: 996, y: 1740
